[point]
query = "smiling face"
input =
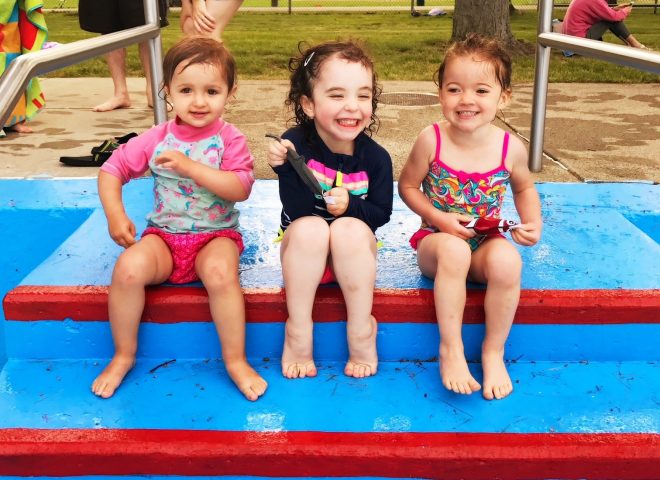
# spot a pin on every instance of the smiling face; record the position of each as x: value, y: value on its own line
x: 341, y: 103
x: 470, y: 93
x: 198, y: 93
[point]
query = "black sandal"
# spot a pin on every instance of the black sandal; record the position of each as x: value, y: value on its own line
x: 99, y: 154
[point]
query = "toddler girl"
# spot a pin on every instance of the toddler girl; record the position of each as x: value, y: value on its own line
x: 201, y: 165
x: 334, y: 95
x: 464, y: 165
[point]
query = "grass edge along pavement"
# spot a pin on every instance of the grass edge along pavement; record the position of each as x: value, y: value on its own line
x: 403, y: 47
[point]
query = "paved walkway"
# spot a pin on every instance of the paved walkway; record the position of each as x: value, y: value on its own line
x: 594, y: 132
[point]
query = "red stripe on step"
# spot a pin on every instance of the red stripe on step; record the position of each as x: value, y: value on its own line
x: 190, y: 304
x: 32, y: 452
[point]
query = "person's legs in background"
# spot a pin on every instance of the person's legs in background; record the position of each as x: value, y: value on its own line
x: 619, y: 29
x: 209, y: 17
x: 120, y: 99
x: 111, y: 16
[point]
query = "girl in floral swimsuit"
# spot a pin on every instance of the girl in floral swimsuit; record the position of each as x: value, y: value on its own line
x: 464, y: 165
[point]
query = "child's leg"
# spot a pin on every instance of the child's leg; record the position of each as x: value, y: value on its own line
x: 498, y: 264
x: 353, y: 253
x: 148, y: 262
x: 304, y: 255
x: 217, y: 267
x: 446, y: 258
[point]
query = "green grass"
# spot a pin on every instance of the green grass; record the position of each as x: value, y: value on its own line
x: 403, y: 47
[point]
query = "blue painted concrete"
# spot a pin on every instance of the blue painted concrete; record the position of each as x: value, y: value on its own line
x: 567, y: 379
x: 569, y: 397
x: 396, y: 341
x: 589, y: 241
x: 28, y: 237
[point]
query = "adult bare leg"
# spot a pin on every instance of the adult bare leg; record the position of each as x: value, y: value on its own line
x: 120, y: 99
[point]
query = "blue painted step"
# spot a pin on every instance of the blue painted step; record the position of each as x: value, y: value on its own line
x: 584, y: 403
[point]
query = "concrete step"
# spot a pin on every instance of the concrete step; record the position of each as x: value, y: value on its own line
x: 71, y: 322
x: 564, y: 420
x: 582, y: 356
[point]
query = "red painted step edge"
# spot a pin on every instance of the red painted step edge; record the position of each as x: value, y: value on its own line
x: 30, y: 452
x: 166, y: 304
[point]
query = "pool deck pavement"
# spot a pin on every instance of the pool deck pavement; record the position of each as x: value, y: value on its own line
x: 594, y: 132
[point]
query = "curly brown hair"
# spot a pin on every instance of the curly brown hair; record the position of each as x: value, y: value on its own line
x: 305, y: 69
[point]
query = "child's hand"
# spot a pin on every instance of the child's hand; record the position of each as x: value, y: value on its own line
x: 340, y: 196
x: 122, y: 230
x: 527, y: 234
x: 177, y: 161
x: 202, y: 19
x: 276, y: 154
x: 449, y: 222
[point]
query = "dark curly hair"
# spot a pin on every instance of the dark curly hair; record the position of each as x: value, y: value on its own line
x: 485, y: 49
x: 305, y: 69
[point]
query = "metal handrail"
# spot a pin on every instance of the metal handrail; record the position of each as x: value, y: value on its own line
x: 15, y: 79
x: 631, y: 57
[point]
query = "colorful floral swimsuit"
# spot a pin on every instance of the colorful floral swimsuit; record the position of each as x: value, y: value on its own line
x: 474, y: 194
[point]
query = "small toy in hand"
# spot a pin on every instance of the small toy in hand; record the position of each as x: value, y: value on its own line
x: 304, y: 172
x: 490, y: 226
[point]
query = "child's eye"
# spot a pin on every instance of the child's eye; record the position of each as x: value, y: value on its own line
x: 365, y: 97
x: 482, y: 91
x: 212, y: 91
x: 186, y: 90
x: 336, y: 95
x: 453, y: 90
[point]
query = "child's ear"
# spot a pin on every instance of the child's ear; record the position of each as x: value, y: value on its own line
x: 505, y: 98
x: 232, y: 93
x: 307, y: 105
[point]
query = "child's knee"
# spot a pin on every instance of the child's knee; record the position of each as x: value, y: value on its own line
x: 453, y: 256
x: 504, y: 267
x: 308, y: 234
x: 350, y: 234
x: 218, y: 274
x: 130, y: 270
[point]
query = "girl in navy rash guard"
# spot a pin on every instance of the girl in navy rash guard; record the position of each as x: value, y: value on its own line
x: 334, y: 96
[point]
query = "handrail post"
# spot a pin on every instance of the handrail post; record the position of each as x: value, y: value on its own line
x: 155, y: 62
x: 14, y: 80
x: 539, y: 101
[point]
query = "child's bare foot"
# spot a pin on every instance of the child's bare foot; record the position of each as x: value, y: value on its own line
x: 363, y: 361
x: 455, y: 372
x: 497, y: 383
x: 104, y: 385
x: 297, y: 360
x: 113, y: 103
x: 248, y: 381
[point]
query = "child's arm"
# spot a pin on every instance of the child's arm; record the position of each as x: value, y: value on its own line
x: 525, y: 196
x: 376, y: 209
x: 232, y: 182
x: 276, y: 154
x: 297, y: 199
x: 412, y: 175
x: 120, y: 227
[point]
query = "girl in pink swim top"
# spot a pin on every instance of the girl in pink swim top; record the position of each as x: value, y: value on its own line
x: 201, y: 166
x: 464, y: 165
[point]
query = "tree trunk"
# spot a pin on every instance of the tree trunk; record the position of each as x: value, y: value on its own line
x: 490, y: 18
x: 512, y: 8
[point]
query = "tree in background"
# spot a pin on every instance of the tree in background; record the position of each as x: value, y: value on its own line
x: 490, y: 18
